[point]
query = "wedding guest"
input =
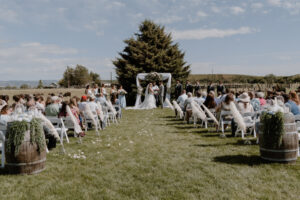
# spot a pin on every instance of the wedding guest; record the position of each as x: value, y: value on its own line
x: 188, y: 106
x: 53, y: 108
x: 221, y: 88
x: 291, y: 105
x: 93, y: 105
x: 243, y: 104
x: 178, y: 89
x: 95, y: 89
x: 197, y: 87
x: 210, y: 87
x: 101, y: 98
x: 5, y: 114
x: 210, y: 102
x: 2, y: 103
x: 88, y: 90
x: 294, y: 97
x: 182, y: 98
x: 113, y: 93
x: 83, y: 102
x: 254, y: 101
x: 48, y: 101
x: 122, y: 97
x: 188, y: 87
x: 63, y: 110
x: 199, y: 99
x: 260, y: 96
x: 103, y: 90
x: 161, y: 94
x: 225, y: 106
x: 39, y: 103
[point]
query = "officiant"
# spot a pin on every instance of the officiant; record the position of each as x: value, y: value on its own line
x: 161, y: 93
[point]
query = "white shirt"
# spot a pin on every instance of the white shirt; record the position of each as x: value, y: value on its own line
x: 40, y: 106
x: 94, y: 106
x: 242, y: 108
x: 199, y: 100
x: 181, y: 99
x: 81, y: 106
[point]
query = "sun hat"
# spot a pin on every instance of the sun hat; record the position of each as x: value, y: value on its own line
x: 54, y: 98
x: 261, y: 94
x: 244, y: 97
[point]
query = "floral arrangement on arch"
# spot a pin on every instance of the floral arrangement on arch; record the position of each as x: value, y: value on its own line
x: 153, y: 77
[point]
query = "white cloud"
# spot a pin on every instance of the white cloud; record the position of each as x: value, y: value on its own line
x: 168, y: 19
x: 292, y: 6
x: 200, y: 34
x: 257, y: 6
x: 33, y: 61
x: 215, y: 9
x: 274, y: 2
x: 8, y: 15
x: 201, y: 14
x: 236, y: 10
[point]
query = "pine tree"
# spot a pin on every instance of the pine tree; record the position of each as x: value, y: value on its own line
x: 150, y: 50
x: 40, y: 85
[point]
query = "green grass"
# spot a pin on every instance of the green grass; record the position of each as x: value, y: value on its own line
x: 151, y: 155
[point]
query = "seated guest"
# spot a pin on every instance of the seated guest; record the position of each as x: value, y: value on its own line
x: 182, y: 98
x: 2, y: 103
x: 243, y: 104
x: 188, y: 106
x: 210, y: 102
x: 5, y: 114
x: 199, y: 100
x: 39, y: 103
x: 53, y: 108
x: 82, y: 103
x: 291, y: 104
x: 63, y: 110
x: 260, y: 96
x: 294, y: 97
x: 93, y: 105
x: 254, y: 101
x: 225, y: 106
x: 101, y: 99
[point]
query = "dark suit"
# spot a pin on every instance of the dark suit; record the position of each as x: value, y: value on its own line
x: 178, y: 90
x: 220, y: 88
x: 189, y: 88
x: 161, y: 95
x: 210, y: 88
x: 197, y: 88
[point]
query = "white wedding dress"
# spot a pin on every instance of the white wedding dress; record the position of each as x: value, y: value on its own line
x: 149, y: 101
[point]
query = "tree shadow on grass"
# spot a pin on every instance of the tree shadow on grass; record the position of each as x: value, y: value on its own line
x: 240, y: 160
x: 168, y: 117
x: 184, y: 127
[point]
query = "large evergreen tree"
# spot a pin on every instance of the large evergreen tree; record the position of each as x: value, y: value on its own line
x: 149, y: 50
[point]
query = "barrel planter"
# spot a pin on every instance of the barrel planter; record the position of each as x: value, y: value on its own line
x: 287, y: 152
x: 29, y: 160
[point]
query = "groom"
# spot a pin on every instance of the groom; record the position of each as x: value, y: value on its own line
x: 161, y: 93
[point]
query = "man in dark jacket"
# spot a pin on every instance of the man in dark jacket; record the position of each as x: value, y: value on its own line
x: 210, y: 87
x: 197, y: 87
x: 178, y: 89
x: 188, y: 87
x: 221, y: 88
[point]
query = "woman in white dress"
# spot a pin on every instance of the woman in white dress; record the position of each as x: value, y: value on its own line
x: 149, y: 101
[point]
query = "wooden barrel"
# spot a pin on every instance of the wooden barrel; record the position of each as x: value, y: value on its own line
x: 28, y: 161
x: 288, y: 150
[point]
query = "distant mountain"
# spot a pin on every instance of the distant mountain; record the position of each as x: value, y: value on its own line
x: 30, y: 83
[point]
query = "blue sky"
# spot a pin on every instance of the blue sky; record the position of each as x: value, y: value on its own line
x: 39, y: 38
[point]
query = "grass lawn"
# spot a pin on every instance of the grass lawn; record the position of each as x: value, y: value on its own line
x: 151, y: 155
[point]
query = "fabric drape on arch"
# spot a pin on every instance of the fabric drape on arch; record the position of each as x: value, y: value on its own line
x: 142, y: 76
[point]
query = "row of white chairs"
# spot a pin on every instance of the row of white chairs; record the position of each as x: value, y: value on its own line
x: 64, y: 124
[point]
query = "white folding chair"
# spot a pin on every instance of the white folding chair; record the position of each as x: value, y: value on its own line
x: 59, y: 125
x: 250, y: 122
x: 88, y: 121
x: 2, y: 148
x: 225, y: 119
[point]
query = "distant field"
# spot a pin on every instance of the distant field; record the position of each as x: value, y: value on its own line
x: 223, y: 77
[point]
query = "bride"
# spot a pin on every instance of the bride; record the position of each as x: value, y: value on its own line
x: 149, y: 101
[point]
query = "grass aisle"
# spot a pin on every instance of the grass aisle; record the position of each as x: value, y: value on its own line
x: 150, y: 155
